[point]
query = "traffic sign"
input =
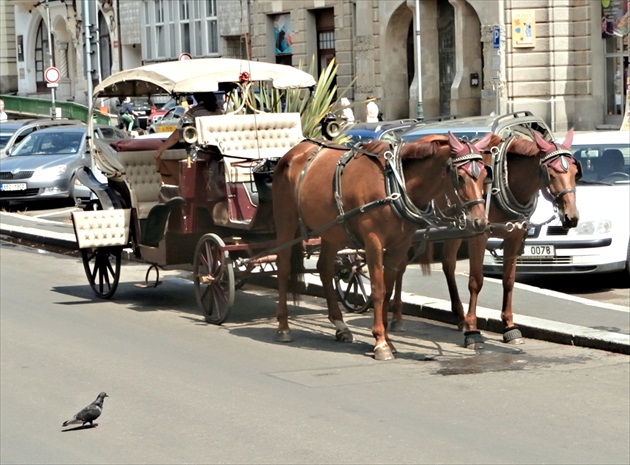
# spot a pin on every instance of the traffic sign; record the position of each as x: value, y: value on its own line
x: 52, y: 75
x: 496, y: 37
x: 185, y: 56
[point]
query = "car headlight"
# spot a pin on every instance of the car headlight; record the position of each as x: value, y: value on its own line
x: 592, y: 228
x: 47, y: 174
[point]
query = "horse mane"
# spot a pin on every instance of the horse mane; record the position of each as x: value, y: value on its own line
x: 523, y: 147
x: 423, y: 148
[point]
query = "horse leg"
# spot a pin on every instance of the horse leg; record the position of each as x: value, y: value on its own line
x: 511, y: 250
x: 374, y: 258
x: 449, y: 263
x: 397, y: 324
x: 326, y: 269
x: 476, y: 247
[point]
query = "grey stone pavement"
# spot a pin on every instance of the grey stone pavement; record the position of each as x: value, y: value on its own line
x: 574, y: 321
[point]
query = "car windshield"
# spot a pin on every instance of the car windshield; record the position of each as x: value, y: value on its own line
x: 5, y: 135
x: 49, y: 143
x: 608, y: 163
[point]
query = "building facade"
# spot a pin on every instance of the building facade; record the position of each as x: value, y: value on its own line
x: 564, y: 60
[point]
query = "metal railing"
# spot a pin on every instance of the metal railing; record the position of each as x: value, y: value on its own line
x: 28, y: 107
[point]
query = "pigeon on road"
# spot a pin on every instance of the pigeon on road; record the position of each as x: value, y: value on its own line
x: 89, y: 413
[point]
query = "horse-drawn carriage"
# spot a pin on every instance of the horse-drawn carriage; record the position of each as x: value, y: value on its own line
x: 212, y: 203
x: 207, y: 202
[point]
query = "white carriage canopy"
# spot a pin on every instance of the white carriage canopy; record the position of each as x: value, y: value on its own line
x: 203, y: 74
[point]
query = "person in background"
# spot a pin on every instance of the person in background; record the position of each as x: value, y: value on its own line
x: 346, y: 112
x: 3, y: 115
x: 206, y: 105
x: 128, y: 114
x: 372, y: 110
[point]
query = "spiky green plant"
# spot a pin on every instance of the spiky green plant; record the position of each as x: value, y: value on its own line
x: 313, y: 105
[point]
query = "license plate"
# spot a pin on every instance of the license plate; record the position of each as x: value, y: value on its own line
x: 541, y: 251
x: 19, y: 186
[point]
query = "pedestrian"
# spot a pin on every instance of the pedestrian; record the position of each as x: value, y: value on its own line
x: 3, y: 115
x: 372, y: 110
x: 346, y: 112
x: 128, y: 114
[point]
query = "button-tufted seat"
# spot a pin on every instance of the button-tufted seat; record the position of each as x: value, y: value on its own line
x: 101, y: 228
x: 256, y: 136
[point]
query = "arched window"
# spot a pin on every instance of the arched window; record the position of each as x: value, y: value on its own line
x: 105, y: 47
x: 42, y: 58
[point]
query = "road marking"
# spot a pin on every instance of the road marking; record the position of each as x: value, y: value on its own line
x: 560, y: 295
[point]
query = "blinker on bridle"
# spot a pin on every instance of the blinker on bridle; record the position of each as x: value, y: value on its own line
x: 560, y: 160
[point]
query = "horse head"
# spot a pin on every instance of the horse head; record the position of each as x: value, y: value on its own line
x: 560, y: 173
x: 468, y: 176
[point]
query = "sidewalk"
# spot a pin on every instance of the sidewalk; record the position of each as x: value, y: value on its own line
x: 58, y: 231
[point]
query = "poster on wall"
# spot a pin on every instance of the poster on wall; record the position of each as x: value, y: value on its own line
x: 523, y: 29
x: 282, y: 34
x: 615, y: 18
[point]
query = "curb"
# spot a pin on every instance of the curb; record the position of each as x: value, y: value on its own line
x: 413, y: 304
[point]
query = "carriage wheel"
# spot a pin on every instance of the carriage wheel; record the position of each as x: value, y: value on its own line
x: 214, y: 279
x: 353, y: 283
x: 102, y: 268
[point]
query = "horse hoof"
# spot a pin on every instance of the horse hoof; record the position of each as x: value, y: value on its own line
x: 383, y: 352
x: 344, y: 335
x: 397, y: 326
x: 284, y: 335
x: 473, y: 340
x: 513, y: 336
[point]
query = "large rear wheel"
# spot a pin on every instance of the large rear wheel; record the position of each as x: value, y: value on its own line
x: 102, y: 268
x: 214, y: 279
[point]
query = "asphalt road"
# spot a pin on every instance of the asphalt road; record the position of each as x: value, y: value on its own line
x: 182, y: 391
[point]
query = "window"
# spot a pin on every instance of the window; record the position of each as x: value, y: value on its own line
x: 176, y: 27
x: 325, y: 24
x: 42, y: 57
x: 282, y: 38
x: 105, y: 47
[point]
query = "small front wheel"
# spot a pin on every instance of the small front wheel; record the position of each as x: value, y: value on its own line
x: 102, y: 268
x: 213, y: 278
x: 352, y: 282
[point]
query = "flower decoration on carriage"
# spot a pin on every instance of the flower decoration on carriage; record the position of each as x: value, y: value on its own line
x: 244, y: 77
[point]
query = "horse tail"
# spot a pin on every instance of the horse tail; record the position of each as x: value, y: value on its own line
x: 426, y: 258
x: 296, y: 277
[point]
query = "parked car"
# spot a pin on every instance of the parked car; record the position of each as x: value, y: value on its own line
x: 157, y: 113
x: 12, y: 132
x: 601, y: 241
x: 478, y: 126
x: 170, y: 120
x: 381, y: 130
x: 43, y: 165
x: 109, y: 133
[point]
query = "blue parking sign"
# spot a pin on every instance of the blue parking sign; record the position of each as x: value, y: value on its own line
x: 496, y: 37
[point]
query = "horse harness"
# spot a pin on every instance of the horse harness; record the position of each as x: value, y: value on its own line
x: 395, y: 189
x: 559, y: 160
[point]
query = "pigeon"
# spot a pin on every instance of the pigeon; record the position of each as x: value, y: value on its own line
x: 89, y: 413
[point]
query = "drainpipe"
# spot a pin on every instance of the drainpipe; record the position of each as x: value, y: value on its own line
x: 50, y: 55
x: 419, y: 63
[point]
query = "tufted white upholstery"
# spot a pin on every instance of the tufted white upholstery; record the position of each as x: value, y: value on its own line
x: 261, y: 135
x: 141, y: 175
x: 101, y: 228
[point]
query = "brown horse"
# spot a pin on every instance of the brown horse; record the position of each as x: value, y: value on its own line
x: 369, y: 198
x: 522, y: 168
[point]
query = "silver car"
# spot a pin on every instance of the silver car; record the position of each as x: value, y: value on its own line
x: 44, y: 164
